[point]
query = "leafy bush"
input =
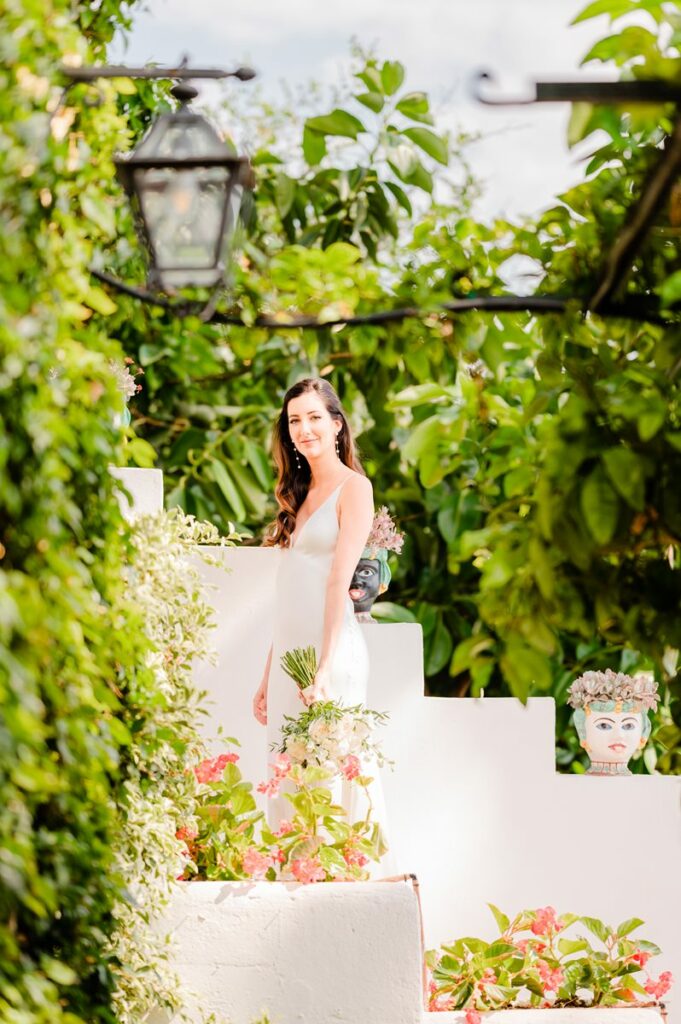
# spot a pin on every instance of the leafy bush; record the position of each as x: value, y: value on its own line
x: 534, y: 964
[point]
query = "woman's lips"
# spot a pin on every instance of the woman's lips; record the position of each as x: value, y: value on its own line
x: 617, y: 746
x: 356, y: 594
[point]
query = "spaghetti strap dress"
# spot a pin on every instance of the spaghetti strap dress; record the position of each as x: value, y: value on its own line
x: 300, y: 599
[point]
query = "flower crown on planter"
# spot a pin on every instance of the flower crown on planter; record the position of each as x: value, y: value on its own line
x: 603, y: 687
x: 384, y: 537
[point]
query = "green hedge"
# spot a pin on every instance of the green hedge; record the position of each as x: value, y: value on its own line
x: 68, y: 644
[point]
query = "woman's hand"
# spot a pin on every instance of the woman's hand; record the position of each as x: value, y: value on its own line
x: 319, y: 689
x: 260, y: 703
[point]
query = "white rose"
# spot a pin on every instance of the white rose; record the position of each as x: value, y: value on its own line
x: 585, y: 995
x: 320, y: 730
x: 296, y: 750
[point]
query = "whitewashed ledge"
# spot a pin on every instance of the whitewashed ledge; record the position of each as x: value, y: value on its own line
x: 332, y: 953
x: 570, y: 1015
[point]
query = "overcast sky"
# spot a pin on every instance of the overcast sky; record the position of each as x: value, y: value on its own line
x: 523, y: 160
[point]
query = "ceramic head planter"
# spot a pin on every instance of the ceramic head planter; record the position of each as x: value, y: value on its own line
x: 611, y: 717
x: 372, y: 575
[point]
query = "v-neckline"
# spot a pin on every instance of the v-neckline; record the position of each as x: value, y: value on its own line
x: 313, y: 514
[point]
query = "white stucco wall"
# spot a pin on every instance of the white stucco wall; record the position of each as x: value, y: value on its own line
x: 339, y: 953
x: 475, y: 806
x: 476, y: 810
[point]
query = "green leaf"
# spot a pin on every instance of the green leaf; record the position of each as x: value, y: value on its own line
x: 141, y: 453
x: 392, y: 76
x: 626, y: 471
x: 403, y: 161
x: 314, y: 146
x: 580, y: 117
x: 525, y: 669
x: 284, y: 193
x: 629, y: 926
x: 570, y: 946
x: 670, y: 290
x: 100, y: 211
x: 400, y: 195
x: 432, y: 144
x: 414, y: 105
x: 613, y: 8
x: 338, y: 122
x: 386, y: 611
x: 600, y: 506
x: 596, y: 927
x: 439, y: 649
x: 98, y: 300
x: 373, y: 100
x: 58, y: 972
x: 228, y: 488
x: 502, y: 920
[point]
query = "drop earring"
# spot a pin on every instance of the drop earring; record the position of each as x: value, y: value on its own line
x: 337, y: 445
x: 295, y: 452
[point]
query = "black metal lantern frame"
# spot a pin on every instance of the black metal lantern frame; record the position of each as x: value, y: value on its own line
x: 185, y: 184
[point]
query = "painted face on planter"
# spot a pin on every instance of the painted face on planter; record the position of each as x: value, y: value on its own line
x: 613, y: 736
x: 365, y: 584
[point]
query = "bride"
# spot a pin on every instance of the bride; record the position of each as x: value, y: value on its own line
x: 325, y: 516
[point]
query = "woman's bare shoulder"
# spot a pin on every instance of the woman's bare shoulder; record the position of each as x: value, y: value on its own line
x: 357, y: 486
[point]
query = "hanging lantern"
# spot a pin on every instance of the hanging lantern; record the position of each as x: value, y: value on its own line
x: 186, y: 185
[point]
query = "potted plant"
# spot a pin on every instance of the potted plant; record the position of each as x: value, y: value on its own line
x: 611, y: 717
x: 535, y: 963
x: 372, y: 574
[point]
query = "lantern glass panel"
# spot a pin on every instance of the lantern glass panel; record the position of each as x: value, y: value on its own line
x: 184, y: 211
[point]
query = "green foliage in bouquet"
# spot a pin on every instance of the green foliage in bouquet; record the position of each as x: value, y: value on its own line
x: 534, y: 964
x: 301, y: 665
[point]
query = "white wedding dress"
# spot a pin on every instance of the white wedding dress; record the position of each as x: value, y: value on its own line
x: 299, y: 622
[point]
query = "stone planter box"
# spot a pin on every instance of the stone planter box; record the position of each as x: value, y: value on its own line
x: 333, y: 953
x: 570, y: 1015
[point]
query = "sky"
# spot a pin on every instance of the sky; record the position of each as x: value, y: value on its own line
x: 521, y: 160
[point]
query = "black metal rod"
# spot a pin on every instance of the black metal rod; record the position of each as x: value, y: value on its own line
x: 609, y: 93
x: 91, y: 74
x: 641, y: 216
x: 637, y: 308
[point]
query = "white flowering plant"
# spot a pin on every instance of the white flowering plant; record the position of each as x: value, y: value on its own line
x: 534, y: 964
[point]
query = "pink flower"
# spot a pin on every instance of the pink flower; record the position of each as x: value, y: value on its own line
x: 281, y: 767
x: 255, y: 863
x: 640, y: 957
x: 551, y: 978
x: 284, y: 828
x: 354, y: 858
x: 545, y: 921
x: 660, y: 987
x: 278, y: 855
x: 521, y: 944
x: 308, y: 869
x: 350, y: 767
x: 472, y: 1017
x: 186, y: 833
x: 270, y: 788
x: 211, y: 769
x: 489, y: 977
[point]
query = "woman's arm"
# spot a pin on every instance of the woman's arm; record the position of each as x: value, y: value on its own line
x: 260, y: 699
x: 356, y: 507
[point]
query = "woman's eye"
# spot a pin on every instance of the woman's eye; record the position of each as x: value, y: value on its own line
x: 366, y: 573
x: 604, y: 726
x: 628, y: 726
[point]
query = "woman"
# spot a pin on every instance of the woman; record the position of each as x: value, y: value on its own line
x: 325, y: 516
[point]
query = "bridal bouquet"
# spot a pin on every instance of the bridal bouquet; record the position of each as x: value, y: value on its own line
x: 327, y: 734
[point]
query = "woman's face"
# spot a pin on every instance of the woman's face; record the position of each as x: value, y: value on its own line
x: 613, y: 736
x: 312, y: 430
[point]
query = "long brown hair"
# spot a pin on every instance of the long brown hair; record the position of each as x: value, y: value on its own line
x: 293, y: 483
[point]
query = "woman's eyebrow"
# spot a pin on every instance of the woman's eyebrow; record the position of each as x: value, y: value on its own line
x: 603, y: 718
